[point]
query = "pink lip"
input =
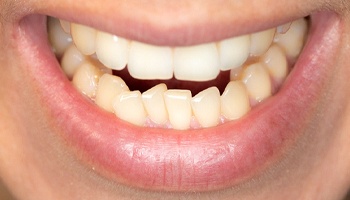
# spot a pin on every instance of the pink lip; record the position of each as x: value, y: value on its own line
x: 157, y: 159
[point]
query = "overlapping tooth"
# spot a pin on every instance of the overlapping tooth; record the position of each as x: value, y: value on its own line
x: 84, y: 38
x: 197, y: 63
x: 178, y: 104
x: 111, y: 50
x: 206, y: 107
x: 261, y: 41
x: 65, y: 25
x: 128, y: 106
x: 257, y: 81
x: 234, y: 101
x: 153, y: 101
x: 59, y: 39
x: 109, y: 87
x: 236, y: 73
x: 234, y: 52
x: 71, y: 60
x: 276, y: 63
x: 150, y: 62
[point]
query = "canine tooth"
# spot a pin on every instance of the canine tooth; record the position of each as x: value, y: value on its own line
x: 206, y: 107
x: 109, y: 87
x: 112, y: 50
x: 233, y: 52
x: 84, y: 38
x: 235, y: 74
x: 153, y: 101
x: 276, y: 63
x: 86, y: 79
x: 178, y: 104
x: 261, y: 41
x: 71, y: 60
x: 196, y: 63
x: 65, y: 25
x: 234, y: 100
x: 59, y: 39
x: 257, y: 81
x: 128, y: 106
x: 150, y: 62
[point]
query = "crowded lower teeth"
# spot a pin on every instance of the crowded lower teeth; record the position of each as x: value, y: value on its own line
x: 257, y: 63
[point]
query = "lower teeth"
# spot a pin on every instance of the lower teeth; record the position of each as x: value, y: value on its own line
x: 258, y: 78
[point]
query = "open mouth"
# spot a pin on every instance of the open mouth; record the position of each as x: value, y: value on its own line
x: 180, y: 118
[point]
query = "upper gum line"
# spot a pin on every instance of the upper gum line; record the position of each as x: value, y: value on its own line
x: 258, y: 64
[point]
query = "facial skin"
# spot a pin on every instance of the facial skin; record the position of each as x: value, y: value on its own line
x: 36, y: 163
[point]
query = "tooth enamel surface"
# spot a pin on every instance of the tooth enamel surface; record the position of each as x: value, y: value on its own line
x: 109, y: 87
x: 128, y: 106
x: 261, y: 41
x: 59, y: 39
x: 234, y: 52
x: 112, y: 50
x: 206, y: 107
x: 276, y: 63
x: 150, y: 62
x: 197, y: 63
x: 235, y: 74
x: 84, y: 38
x: 71, y: 60
x: 257, y: 81
x: 178, y: 104
x: 86, y: 79
x: 153, y: 101
x: 234, y: 101
x: 65, y: 26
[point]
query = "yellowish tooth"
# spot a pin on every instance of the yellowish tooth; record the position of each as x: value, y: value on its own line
x: 128, y: 106
x: 84, y: 38
x: 206, y: 107
x: 65, y: 25
x: 111, y: 50
x: 86, y: 79
x: 261, y: 41
x: 276, y: 63
x: 71, y: 60
x: 178, y: 104
x: 257, y: 81
x: 109, y: 87
x: 153, y: 101
x: 234, y: 101
x: 59, y: 39
x: 235, y: 74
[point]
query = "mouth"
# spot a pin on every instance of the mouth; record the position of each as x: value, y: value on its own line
x: 180, y: 118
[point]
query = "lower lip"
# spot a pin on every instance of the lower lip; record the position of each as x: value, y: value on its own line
x: 194, y: 160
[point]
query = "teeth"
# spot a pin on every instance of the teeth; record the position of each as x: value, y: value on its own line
x: 71, y: 60
x: 206, y: 107
x: 233, y: 52
x: 235, y: 74
x: 84, y: 38
x: 65, y: 26
x: 261, y: 41
x: 276, y: 63
x: 112, y: 50
x: 153, y: 101
x: 150, y: 62
x: 59, y: 39
x: 197, y: 63
x: 178, y: 104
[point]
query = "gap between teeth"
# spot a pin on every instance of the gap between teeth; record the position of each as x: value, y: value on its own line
x: 258, y: 65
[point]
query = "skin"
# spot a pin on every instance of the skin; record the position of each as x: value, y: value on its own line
x: 36, y: 163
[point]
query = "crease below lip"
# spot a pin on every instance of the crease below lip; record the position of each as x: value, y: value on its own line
x: 195, y: 160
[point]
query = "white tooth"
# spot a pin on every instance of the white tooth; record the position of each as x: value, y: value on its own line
x: 112, y: 50
x: 234, y: 100
x: 59, y: 39
x: 257, y: 81
x: 128, y: 106
x: 261, y: 41
x: 283, y: 28
x: 109, y: 87
x: 196, y: 63
x: 178, y: 104
x: 86, y: 79
x: 233, y: 52
x: 153, y: 101
x: 206, y: 107
x: 65, y: 25
x: 235, y: 74
x: 276, y: 63
x: 150, y: 62
x: 293, y: 40
x: 84, y: 38
x: 71, y: 60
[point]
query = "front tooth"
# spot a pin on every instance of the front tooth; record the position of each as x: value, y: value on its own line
x: 178, y: 104
x: 196, y: 63
x: 65, y: 25
x: 86, y: 79
x: 59, y: 39
x: 261, y: 41
x: 234, y: 52
x: 276, y: 63
x: 112, y: 50
x: 128, y: 106
x: 257, y: 81
x: 206, y: 107
x: 71, y: 60
x: 153, y: 101
x: 234, y: 101
x: 109, y: 87
x: 84, y: 38
x: 150, y: 62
